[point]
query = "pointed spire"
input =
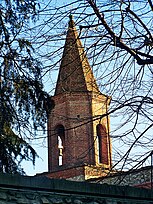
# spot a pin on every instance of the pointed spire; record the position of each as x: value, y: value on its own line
x: 71, y: 22
x: 75, y: 73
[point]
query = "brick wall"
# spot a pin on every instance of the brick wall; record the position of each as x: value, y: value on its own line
x: 72, y: 111
x: 76, y: 112
x: 140, y: 178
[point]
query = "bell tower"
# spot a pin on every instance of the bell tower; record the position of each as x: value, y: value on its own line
x: 79, y: 145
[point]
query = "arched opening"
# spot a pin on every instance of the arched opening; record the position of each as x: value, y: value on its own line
x: 60, y: 131
x: 102, y: 144
x: 99, y: 143
x: 98, y: 149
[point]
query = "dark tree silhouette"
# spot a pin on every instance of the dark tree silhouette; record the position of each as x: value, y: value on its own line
x: 24, y: 105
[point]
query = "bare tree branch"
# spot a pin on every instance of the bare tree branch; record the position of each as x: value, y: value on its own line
x: 117, y: 41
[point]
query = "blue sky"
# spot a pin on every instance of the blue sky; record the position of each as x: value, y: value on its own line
x: 54, y: 31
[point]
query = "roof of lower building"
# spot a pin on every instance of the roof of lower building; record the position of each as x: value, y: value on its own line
x: 42, y: 190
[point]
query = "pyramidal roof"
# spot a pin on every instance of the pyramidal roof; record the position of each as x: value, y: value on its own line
x: 75, y: 73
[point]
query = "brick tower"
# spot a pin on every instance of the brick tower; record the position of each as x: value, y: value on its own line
x: 79, y: 146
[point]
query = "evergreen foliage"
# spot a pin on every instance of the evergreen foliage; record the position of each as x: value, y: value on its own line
x: 24, y: 105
